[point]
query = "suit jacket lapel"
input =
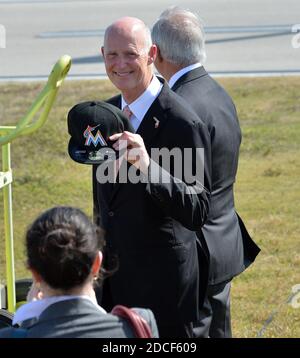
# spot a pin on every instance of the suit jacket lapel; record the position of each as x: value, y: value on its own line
x: 108, y: 188
x: 189, y: 76
x: 151, y: 124
x: 115, y: 101
x: 155, y: 117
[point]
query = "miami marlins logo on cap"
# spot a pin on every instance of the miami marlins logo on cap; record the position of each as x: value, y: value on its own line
x: 93, y: 139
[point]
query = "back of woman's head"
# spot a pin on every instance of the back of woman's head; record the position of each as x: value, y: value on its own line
x: 62, y: 244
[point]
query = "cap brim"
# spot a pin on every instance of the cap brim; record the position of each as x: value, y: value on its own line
x: 84, y: 156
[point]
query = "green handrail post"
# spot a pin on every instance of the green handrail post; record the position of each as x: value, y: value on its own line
x: 46, y: 98
x: 44, y: 101
x: 8, y: 229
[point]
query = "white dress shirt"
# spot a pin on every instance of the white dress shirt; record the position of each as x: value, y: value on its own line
x: 34, y: 309
x: 141, y: 105
x: 182, y: 72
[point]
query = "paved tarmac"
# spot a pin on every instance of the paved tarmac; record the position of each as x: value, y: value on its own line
x: 244, y: 37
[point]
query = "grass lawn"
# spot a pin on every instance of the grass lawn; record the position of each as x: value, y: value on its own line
x: 267, y: 189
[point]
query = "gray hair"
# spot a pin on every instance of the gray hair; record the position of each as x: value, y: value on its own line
x: 147, y: 39
x: 179, y: 35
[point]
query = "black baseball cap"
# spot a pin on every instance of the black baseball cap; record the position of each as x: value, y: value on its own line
x: 89, y: 125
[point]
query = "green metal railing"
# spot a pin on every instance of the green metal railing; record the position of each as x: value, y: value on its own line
x: 25, y: 126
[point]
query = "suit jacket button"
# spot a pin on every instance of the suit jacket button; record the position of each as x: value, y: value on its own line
x: 111, y: 213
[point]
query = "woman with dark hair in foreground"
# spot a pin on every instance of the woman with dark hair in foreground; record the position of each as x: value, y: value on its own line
x: 64, y: 253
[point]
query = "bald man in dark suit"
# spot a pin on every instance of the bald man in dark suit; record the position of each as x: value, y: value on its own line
x: 151, y: 226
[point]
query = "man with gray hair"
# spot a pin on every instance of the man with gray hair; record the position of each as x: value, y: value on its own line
x: 179, y: 37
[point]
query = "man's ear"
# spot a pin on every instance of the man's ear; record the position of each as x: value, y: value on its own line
x: 152, y: 54
x: 97, y: 263
x: 159, y: 58
x: 102, y: 51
